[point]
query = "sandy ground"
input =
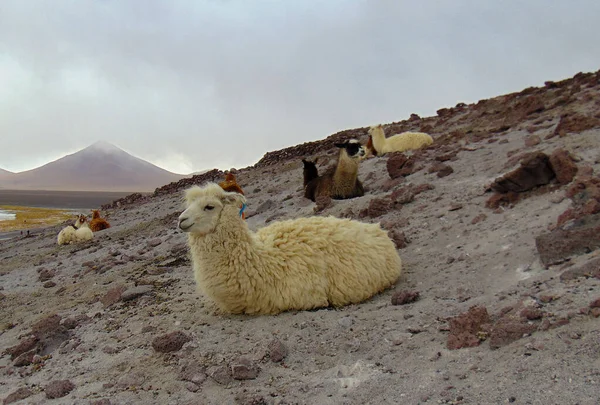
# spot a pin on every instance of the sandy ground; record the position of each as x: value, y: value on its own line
x: 133, y: 284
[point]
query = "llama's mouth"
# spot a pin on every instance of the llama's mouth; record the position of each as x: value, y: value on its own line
x: 185, y: 228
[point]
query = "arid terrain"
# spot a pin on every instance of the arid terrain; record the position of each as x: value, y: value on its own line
x: 498, y: 302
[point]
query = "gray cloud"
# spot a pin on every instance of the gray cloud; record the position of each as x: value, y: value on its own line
x: 192, y: 85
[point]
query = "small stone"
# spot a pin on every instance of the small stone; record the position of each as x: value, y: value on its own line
x: 595, y: 303
x: 191, y: 387
x: 24, y: 345
x: 135, y: 292
x: 346, y: 322
x: 277, y: 351
x: 46, y: 275
x: 103, y: 401
x: 154, y: 242
x: 110, y: 350
x: 18, y: 395
x: 404, y: 297
x: 24, y: 359
x: 220, y: 374
x: 455, y: 207
x: 49, y: 284
x: 532, y: 314
x: 532, y: 140
x: 244, y: 369
x: 170, y: 342
x: 58, y: 389
x: 478, y: 218
x: 112, y: 296
x: 399, y: 238
x: 74, y: 321
x: 131, y: 380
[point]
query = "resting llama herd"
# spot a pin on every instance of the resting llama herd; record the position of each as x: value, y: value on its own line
x: 298, y: 264
x: 81, y: 231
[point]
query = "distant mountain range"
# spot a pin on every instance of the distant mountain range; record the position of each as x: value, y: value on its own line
x: 99, y: 167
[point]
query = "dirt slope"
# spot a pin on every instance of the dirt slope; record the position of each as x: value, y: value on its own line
x: 507, y: 310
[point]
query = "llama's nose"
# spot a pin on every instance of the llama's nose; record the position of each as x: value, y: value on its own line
x: 184, y: 223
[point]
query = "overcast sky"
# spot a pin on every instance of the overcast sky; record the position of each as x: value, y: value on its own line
x: 192, y: 85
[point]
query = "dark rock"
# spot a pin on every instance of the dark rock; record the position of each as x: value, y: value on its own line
x: 220, y: 374
x: 582, y: 237
x: 154, y: 242
x: 563, y: 166
x: 465, y: 328
x: 25, y: 359
x: 502, y: 200
x: 378, y: 207
x: 455, y: 207
x: 446, y: 157
x: 441, y: 169
x: 74, y: 321
x: 49, y: 284
x: 103, y: 401
x: 17, y: 395
x: 277, y: 351
x: 112, y: 296
x: 23, y: 346
x: 50, y: 332
x: 398, y: 165
x: 244, y: 369
x: 135, y: 292
x: 399, y: 238
x: 403, y: 195
x: 575, y: 123
x: 131, y: 380
x: 595, y: 303
x: 58, y: 389
x: 193, y: 372
x: 404, y: 297
x: 532, y: 141
x: 508, y: 330
x: 478, y: 218
x: 535, y: 170
x: 532, y: 314
x: 170, y: 342
x: 46, y: 275
x: 588, y: 269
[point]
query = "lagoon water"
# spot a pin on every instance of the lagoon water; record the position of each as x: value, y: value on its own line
x: 6, y: 215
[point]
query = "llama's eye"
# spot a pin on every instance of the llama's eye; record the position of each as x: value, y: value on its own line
x: 209, y: 208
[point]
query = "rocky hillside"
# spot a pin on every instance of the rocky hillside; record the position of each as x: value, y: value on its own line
x: 497, y: 224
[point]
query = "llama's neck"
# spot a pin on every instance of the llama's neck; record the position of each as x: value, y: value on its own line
x: 378, y: 138
x: 346, y: 169
x: 227, y: 263
x: 226, y: 244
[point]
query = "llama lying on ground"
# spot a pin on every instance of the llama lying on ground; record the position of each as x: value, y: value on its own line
x: 399, y: 142
x: 296, y: 264
x: 341, y: 182
x: 310, y: 171
x: 230, y: 184
x: 369, y: 148
x: 79, y: 232
x: 97, y: 223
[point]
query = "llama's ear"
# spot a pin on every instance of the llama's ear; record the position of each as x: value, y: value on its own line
x: 234, y: 198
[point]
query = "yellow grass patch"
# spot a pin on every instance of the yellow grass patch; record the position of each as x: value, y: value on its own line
x: 32, y: 217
